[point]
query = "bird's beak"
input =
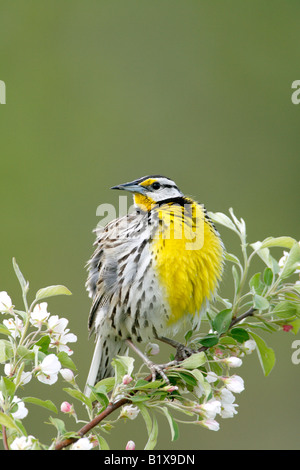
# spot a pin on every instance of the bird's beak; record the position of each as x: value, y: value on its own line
x: 132, y: 187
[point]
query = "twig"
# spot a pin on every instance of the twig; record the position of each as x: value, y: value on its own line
x: 5, y: 443
x: 87, y: 427
x: 114, y: 406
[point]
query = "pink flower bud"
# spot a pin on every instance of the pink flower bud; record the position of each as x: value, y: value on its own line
x: 66, y: 407
x: 127, y: 379
x: 130, y: 445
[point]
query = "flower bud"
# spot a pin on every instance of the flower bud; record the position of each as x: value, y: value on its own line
x: 152, y: 349
x: 67, y: 375
x: 130, y: 445
x: 127, y: 379
x: 66, y: 407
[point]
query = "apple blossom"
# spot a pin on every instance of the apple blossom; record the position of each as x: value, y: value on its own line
x: 14, y: 325
x: 233, y: 361
x: 210, y: 424
x: 40, y: 314
x: 235, y: 383
x: 59, y: 335
x: 129, y: 411
x: 67, y: 375
x: 210, y: 409
x: 82, y: 444
x: 22, y: 443
x: 5, y: 302
x: 48, y: 369
x: 21, y: 411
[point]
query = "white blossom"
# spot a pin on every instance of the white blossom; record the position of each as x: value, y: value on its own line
x: 228, y: 410
x: 14, y: 325
x: 211, y: 377
x: 129, y: 411
x: 22, y: 443
x: 48, y: 369
x: 21, y: 411
x: 211, y: 408
x: 210, y: 424
x: 249, y: 346
x: 226, y: 396
x: 40, y: 314
x: 82, y: 444
x: 234, y: 383
x: 59, y: 335
x: 152, y: 349
x: 67, y: 374
x: 5, y: 302
x: 233, y: 361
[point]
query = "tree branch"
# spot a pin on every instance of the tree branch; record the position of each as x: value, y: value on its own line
x: 114, y: 406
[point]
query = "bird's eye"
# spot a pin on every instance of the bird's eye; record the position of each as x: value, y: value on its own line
x: 156, y: 185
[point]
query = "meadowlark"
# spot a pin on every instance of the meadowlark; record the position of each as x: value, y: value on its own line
x: 151, y: 271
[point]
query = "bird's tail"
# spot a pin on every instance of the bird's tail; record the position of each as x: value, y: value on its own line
x: 105, y: 350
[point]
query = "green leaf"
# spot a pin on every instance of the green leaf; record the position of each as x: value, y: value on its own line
x: 260, y: 303
x: 147, y: 418
x: 285, y: 242
x: 6, y: 350
x: 8, y: 422
x: 100, y: 395
x: 51, y: 291
x: 172, y: 423
x: 189, y: 379
x: 222, y: 321
x: 59, y: 425
x: 231, y: 257
x: 79, y: 396
x: 123, y: 365
x: 292, y: 263
x: 24, y: 285
x: 66, y: 361
x: 222, y: 219
x: 268, y: 276
x: 144, y: 384
x: 108, y: 383
x: 209, y: 341
x: 152, y: 440
x: 266, y: 355
x: 102, y: 443
x: 264, y: 254
x: 25, y: 354
x: 48, y: 404
x: 256, y: 284
x: 240, y: 334
x: 43, y: 344
x: 236, y: 279
x: 7, y: 387
x: 194, y: 361
x: 4, y: 330
x: 188, y: 335
x: 286, y: 309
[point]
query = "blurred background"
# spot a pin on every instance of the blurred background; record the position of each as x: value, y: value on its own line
x: 99, y: 93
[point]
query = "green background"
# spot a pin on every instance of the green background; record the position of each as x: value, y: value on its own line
x: 103, y: 92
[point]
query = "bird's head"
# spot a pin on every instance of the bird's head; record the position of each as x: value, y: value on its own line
x: 150, y: 190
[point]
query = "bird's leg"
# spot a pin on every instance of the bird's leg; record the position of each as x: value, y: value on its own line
x: 154, y: 368
x: 182, y: 352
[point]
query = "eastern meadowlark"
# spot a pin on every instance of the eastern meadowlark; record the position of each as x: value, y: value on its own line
x: 151, y: 270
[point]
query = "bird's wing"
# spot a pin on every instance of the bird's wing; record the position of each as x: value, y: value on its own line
x: 113, y: 244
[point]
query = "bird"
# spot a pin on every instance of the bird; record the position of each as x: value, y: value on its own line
x: 153, y: 270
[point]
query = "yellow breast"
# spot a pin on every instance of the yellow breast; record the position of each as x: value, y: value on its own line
x: 188, y: 255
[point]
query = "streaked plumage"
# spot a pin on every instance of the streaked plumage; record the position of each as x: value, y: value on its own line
x: 151, y: 270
